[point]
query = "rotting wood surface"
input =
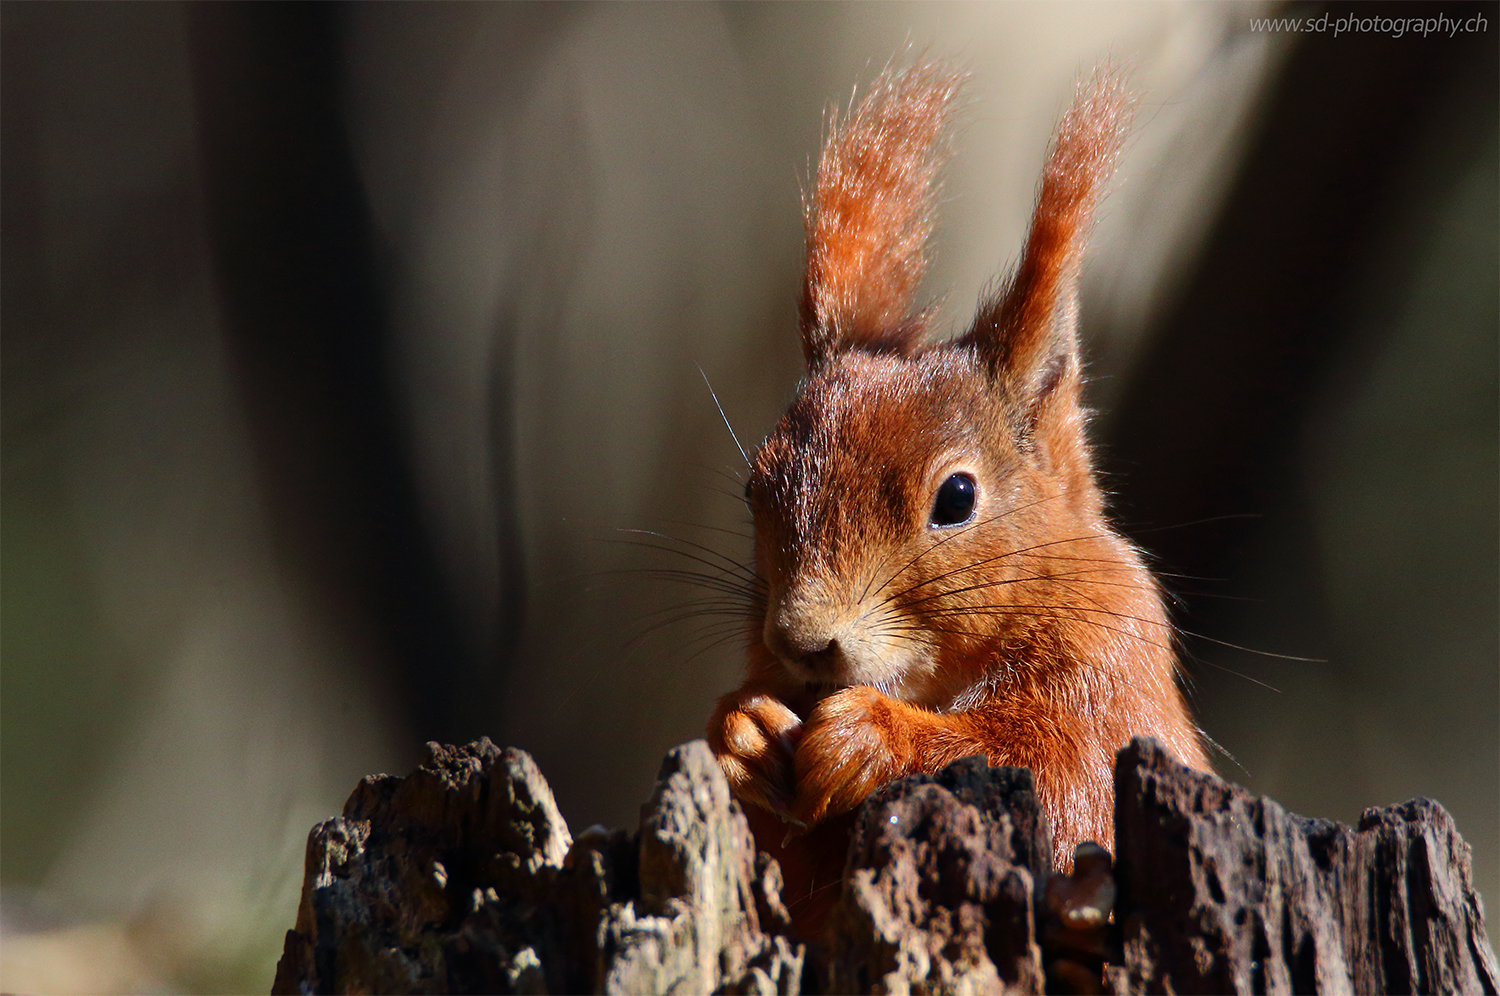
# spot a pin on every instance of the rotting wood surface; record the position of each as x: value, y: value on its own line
x: 463, y: 877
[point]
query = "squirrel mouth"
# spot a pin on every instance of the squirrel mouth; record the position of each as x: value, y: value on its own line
x: 804, y: 702
x: 820, y: 690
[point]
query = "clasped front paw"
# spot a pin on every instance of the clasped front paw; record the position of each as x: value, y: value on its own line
x: 754, y: 735
x: 845, y: 753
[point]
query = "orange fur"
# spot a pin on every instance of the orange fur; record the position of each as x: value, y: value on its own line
x: 889, y: 642
x: 871, y: 214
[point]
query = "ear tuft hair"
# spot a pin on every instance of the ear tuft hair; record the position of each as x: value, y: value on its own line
x: 1028, y: 332
x: 870, y: 215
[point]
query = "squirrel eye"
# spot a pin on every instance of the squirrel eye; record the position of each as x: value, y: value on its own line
x: 955, y: 500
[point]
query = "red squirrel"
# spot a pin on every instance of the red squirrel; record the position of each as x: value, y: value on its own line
x: 937, y: 575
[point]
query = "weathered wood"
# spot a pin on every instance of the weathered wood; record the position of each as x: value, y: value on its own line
x: 463, y: 877
x: 939, y: 892
x: 1221, y: 891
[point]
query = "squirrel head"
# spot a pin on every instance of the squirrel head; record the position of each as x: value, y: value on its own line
x: 924, y: 504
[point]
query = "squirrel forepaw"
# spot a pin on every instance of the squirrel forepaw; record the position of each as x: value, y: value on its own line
x: 754, y: 735
x: 846, y: 753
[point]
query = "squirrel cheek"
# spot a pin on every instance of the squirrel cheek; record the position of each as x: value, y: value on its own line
x: 874, y: 658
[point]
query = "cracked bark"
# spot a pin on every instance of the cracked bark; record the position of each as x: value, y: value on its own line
x: 464, y: 877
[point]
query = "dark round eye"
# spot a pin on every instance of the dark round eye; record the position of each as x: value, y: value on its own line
x: 955, y: 499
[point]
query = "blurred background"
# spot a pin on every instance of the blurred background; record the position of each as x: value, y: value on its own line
x: 343, y: 345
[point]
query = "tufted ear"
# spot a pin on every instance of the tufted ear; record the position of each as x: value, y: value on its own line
x: 1028, y: 333
x: 870, y: 214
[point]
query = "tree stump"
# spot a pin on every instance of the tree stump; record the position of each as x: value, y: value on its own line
x: 463, y: 877
x: 1222, y: 891
x: 940, y: 886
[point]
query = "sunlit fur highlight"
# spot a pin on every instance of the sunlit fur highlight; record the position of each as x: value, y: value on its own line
x: 881, y: 644
x: 870, y: 214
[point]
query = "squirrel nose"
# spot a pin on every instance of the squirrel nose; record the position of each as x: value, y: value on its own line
x: 816, y: 655
x: 801, y: 640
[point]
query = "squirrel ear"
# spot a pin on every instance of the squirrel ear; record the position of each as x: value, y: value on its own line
x: 870, y: 215
x: 1028, y: 333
